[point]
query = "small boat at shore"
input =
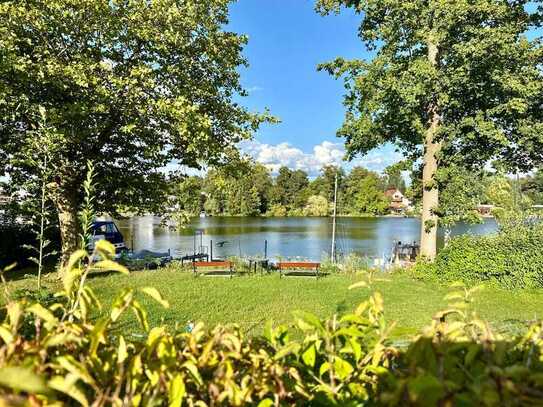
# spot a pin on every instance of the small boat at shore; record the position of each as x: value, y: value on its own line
x: 107, y: 230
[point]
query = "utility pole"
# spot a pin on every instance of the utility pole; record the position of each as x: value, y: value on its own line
x: 333, y: 251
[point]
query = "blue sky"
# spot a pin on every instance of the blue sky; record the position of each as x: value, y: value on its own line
x: 287, y: 40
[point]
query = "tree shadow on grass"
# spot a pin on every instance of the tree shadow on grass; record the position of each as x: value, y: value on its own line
x: 29, y: 271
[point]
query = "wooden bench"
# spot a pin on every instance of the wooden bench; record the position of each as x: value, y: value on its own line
x: 213, y: 268
x: 299, y: 269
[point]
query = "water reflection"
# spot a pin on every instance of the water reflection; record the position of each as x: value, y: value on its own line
x: 308, y: 238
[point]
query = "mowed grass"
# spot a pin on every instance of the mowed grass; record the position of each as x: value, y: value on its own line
x: 251, y: 301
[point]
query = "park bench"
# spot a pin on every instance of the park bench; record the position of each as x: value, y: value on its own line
x: 299, y: 269
x: 213, y: 268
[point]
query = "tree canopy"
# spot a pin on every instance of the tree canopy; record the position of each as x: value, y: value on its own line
x: 449, y: 82
x: 129, y: 85
x: 248, y: 189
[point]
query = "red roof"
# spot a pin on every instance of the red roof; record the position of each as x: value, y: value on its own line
x: 390, y: 192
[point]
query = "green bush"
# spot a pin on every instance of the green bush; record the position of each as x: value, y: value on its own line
x: 73, y: 358
x: 350, y: 264
x: 513, y: 258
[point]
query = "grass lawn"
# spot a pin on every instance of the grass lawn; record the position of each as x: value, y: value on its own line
x: 251, y: 301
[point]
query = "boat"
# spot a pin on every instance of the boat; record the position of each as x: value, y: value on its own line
x: 107, y: 230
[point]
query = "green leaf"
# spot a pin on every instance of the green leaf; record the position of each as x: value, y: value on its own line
x: 68, y: 386
x: 154, y: 335
x: 342, y: 368
x: 97, y: 335
x: 6, y: 335
x: 43, y: 313
x: 14, y: 313
x: 155, y: 294
x: 473, y: 351
x: 110, y: 265
x: 356, y: 347
x: 105, y: 249
x: 193, y: 370
x: 122, y: 352
x: 71, y: 273
x: 307, y: 321
x: 141, y: 314
x: 325, y: 367
x: 61, y: 339
x: 310, y: 355
x: 176, y: 391
x: 22, y: 379
x: 266, y: 403
x: 75, y: 258
x: 10, y: 267
x: 286, y: 350
x: 74, y: 367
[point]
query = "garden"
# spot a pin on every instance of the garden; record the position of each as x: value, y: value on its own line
x: 114, y: 108
x: 365, y: 338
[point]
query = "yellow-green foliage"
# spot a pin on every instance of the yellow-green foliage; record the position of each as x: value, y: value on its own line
x: 57, y: 353
x: 512, y: 258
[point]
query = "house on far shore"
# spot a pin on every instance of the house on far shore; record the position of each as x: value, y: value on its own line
x: 399, y: 204
x: 485, y: 210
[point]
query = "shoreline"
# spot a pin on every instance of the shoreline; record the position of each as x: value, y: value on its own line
x: 128, y: 216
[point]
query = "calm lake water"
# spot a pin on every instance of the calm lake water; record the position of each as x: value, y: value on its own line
x: 304, y: 238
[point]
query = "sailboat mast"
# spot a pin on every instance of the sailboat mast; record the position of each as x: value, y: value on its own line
x: 333, y: 251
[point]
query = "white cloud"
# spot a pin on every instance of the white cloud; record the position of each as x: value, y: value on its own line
x: 275, y: 156
x: 329, y: 153
x: 254, y: 89
x: 325, y: 153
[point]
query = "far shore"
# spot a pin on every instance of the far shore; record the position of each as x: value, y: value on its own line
x: 369, y: 216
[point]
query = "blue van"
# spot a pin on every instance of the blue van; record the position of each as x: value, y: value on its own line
x: 108, y: 230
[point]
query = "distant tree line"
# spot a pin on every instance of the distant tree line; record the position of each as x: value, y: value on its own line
x: 250, y: 189
x: 247, y: 188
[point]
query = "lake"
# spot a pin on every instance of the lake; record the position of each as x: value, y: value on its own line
x: 293, y: 237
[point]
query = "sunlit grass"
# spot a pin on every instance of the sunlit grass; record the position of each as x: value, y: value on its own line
x: 251, y: 301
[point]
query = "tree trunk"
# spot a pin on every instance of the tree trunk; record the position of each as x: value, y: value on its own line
x: 430, y: 190
x: 66, y: 202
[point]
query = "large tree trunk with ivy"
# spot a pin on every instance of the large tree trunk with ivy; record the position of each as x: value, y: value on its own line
x: 430, y: 194
x: 67, y: 208
x: 430, y: 191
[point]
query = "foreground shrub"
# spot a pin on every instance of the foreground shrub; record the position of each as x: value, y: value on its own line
x: 349, y: 360
x: 513, y: 258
